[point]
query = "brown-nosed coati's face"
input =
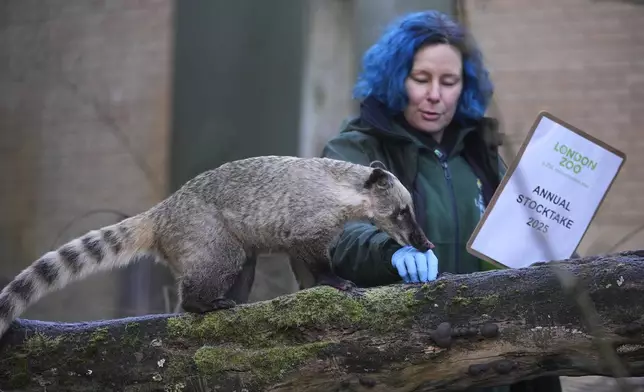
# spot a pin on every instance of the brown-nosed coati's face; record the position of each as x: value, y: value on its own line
x: 393, y: 210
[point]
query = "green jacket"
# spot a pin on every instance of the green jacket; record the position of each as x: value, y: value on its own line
x: 450, y: 184
x: 442, y: 179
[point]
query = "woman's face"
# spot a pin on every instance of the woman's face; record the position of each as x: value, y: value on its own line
x: 433, y: 87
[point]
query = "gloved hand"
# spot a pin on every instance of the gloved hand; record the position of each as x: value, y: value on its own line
x: 414, y: 266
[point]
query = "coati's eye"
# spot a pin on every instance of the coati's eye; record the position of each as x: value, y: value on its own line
x: 401, y: 213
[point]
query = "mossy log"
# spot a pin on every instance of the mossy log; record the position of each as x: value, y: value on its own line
x: 481, y: 329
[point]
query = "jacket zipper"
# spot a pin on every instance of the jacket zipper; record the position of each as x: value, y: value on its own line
x: 448, y: 177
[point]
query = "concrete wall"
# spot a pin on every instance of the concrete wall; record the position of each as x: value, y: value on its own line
x: 236, y: 85
x: 83, y: 126
x: 329, y: 72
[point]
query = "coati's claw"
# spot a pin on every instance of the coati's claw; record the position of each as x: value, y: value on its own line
x: 223, y: 303
x: 337, y: 282
x: 199, y: 308
x: 356, y: 293
x: 191, y: 308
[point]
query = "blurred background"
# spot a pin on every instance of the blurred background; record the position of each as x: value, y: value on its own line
x: 107, y: 106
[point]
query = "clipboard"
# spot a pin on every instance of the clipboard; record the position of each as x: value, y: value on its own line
x: 548, y: 197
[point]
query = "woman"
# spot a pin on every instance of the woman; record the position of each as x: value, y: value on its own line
x: 424, y: 92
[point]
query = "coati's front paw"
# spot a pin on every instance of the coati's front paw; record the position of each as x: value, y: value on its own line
x: 200, y: 308
x: 337, y: 282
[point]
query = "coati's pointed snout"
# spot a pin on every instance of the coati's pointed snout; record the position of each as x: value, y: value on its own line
x: 418, y: 239
x: 420, y: 242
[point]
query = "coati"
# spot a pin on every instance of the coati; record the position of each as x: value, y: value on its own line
x: 204, y: 231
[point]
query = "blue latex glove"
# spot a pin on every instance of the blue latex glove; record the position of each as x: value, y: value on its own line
x: 414, y: 266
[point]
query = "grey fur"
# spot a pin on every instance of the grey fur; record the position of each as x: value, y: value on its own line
x: 209, y: 231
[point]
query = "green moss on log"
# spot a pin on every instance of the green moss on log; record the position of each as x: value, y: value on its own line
x: 35, y: 348
x: 131, y: 337
x: 390, y: 309
x: 264, y: 324
x: 488, y: 301
x: 482, y: 303
x: 429, y: 291
x: 19, y: 371
x: 40, y: 344
x: 265, y: 365
x: 98, y: 338
x: 264, y: 339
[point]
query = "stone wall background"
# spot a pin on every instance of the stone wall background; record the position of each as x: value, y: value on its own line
x: 84, y: 90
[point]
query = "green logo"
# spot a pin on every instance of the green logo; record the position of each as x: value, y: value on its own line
x: 572, y: 160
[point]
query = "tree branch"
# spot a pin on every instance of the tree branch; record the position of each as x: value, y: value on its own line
x: 481, y: 329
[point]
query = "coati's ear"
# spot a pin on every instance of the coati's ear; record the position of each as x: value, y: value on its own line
x: 379, y: 178
x: 378, y: 164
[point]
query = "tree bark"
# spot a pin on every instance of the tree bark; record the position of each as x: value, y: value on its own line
x: 481, y: 329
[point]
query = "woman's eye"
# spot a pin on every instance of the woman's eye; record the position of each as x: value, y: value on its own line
x: 450, y: 82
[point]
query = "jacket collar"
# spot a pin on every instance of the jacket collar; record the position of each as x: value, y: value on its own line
x: 380, y: 119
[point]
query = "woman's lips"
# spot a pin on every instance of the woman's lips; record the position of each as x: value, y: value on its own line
x: 430, y: 116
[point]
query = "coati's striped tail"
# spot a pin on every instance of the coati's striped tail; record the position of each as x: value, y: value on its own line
x: 98, y: 250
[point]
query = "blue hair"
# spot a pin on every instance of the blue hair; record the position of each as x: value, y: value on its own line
x: 388, y: 62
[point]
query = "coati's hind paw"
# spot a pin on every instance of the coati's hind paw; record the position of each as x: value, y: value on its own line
x: 337, y: 282
x: 200, y: 308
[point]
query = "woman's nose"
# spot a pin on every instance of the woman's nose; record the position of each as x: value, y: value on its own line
x: 433, y: 94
